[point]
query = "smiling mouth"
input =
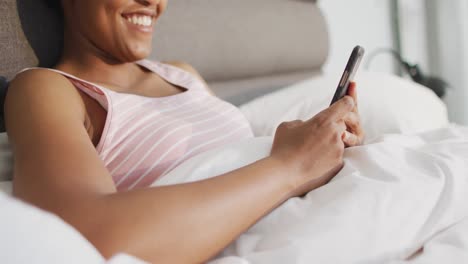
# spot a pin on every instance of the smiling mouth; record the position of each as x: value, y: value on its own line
x: 140, y: 20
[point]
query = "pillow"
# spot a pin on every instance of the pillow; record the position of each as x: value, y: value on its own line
x: 6, y: 159
x: 6, y: 187
x: 5, y: 152
x: 3, y: 90
x: 30, y: 35
x: 387, y: 104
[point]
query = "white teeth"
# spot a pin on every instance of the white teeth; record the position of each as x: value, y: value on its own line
x: 140, y: 20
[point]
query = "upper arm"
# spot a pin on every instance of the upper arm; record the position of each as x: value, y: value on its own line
x: 187, y: 67
x: 55, y: 162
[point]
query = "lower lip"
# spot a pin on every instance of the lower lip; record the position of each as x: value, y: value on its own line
x: 143, y: 29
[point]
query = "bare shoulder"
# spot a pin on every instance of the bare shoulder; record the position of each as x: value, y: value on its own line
x: 24, y: 79
x: 189, y: 68
x: 54, y: 157
x: 36, y: 96
x: 34, y: 87
x: 30, y: 80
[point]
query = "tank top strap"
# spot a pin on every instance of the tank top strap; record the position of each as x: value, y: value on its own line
x: 174, y: 75
x: 100, y: 94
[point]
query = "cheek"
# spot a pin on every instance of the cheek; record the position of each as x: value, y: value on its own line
x: 102, y: 30
x: 162, y: 6
x: 124, y: 42
x: 103, y: 25
x: 114, y: 36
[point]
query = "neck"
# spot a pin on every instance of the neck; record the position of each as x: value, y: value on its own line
x: 85, y: 60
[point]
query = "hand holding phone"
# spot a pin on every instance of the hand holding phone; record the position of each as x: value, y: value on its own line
x: 349, y: 73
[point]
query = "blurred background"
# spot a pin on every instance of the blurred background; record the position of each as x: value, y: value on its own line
x: 432, y: 34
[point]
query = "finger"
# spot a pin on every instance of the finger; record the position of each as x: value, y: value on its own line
x: 352, y: 91
x: 350, y: 139
x: 339, y: 109
x: 341, y: 127
x: 340, y: 130
x: 353, y: 122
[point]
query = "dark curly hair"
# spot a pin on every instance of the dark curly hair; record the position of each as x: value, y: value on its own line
x: 56, y: 6
x: 53, y: 3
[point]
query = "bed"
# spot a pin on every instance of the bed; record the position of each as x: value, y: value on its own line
x: 401, y: 198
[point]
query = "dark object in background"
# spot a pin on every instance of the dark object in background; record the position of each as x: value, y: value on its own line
x: 3, y: 90
x: 42, y: 24
x: 31, y: 34
x: 437, y: 85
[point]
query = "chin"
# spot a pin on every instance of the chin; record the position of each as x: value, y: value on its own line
x: 140, y: 56
x: 138, y: 53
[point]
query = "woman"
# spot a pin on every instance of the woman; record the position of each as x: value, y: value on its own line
x: 89, y: 135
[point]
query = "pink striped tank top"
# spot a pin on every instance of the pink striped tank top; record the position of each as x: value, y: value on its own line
x: 146, y: 137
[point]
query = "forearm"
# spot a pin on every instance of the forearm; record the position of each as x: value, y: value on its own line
x: 188, y: 223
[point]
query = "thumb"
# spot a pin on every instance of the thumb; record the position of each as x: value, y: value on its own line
x: 352, y: 91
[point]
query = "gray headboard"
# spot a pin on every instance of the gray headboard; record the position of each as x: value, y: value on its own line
x: 242, y: 48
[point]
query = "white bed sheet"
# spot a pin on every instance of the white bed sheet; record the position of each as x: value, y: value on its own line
x: 394, y: 196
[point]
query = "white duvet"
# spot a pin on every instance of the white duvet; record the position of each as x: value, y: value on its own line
x: 396, y: 195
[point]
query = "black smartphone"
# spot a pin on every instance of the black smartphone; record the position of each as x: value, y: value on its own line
x: 348, y: 74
